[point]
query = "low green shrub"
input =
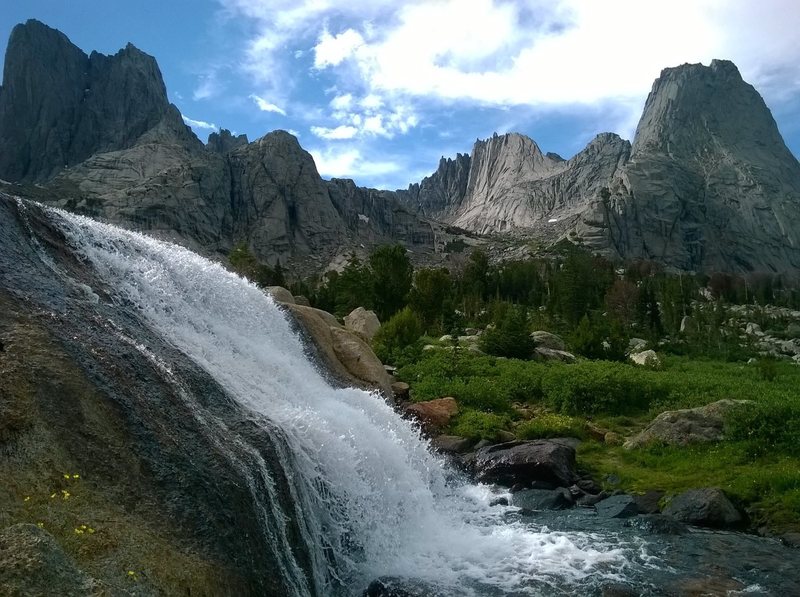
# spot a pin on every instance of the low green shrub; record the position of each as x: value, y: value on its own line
x: 766, y: 427
x: 591, y: 387
x: 550, y: 425
x: 477, y: 425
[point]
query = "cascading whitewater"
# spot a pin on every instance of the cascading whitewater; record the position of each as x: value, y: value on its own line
x: 372, y: 499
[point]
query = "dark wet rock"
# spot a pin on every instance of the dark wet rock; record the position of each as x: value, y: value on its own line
x: 500, y: 501
x: 656, y: 524
x: 33, y: 563
x: 166, y: 494
x: 588, y: 485
x: 398, y: 587
x: 649, y: 502
x: 543, y: 499
x: 589, y: 500
x: 401, y: 390
x: 791, y: 540
x: 619, y: 590
x: 525, y: 462
x: 704, y: 507
x: 617, y: 506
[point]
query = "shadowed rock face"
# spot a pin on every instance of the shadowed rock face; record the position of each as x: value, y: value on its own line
x: 59, y: 106
x: 165, y: 491
x: 132, y: 161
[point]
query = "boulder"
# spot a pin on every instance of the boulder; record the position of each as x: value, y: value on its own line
x: 636, y: 345
x: 280, y: 294
x: 362, y: 322
x: 551, y: 354
x: 452, y: 444
x: 649, y: 502
x: 687, y: 426
x: 656, y: 524
x: 547, y: 340
x: 524, y: 462
x: 617, y: 506
x: 400, y: 390
x: 301, y: 300
x: 753, y: 329
x: 543, y: 499
x: 346, y: 357
x: 708, y: 507
x: 647, y: 358
x: 434, y: 414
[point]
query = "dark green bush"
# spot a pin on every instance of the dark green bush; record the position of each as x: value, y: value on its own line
x: 591, y: 387
x: 510, y: 337
x: 395, y: 336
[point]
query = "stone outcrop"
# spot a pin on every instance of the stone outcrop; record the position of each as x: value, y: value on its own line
x: 708, y: 507
x: 526, y: 462
x: 363, y: 322
x: 687, y: 426
x: 433, y: 415
x: 346, y: 357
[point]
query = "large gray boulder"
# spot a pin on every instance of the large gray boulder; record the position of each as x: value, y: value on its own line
x: 362, y: 322
x: 704, y: 507
x: 525, y: 462
x: 548, y: 340
x: 687, y: 426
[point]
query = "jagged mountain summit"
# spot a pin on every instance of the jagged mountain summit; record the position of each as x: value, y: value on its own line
x: 708, y: 183
x: 99, y: 135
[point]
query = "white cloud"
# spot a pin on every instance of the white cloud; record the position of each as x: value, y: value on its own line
x: 207, y: 87
x: 266, y: 106
x: 333, y: 49
x: 350, y: 162
x: 340, y: 132
x: 342, y: 102
x: 199, y: 124
x: 526, y: 52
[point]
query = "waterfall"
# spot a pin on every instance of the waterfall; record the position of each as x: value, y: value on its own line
x: 372, y: 498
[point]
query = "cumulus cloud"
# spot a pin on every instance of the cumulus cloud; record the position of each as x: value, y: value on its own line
x: 266, y: 106
x: 350, y: 162
x: 199, y: 124
x: 340, y: 132
x: 333, y: 49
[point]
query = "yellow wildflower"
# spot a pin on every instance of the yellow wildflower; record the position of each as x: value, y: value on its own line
x: 27, y: 498
x: 66, y: 475
x: 76, y: 476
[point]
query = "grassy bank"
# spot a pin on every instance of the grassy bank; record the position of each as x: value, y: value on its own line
x: 758, y: 464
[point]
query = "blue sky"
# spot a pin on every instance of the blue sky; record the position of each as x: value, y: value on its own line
x: 378, y: 90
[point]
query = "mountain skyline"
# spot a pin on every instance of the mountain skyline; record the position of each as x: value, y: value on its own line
x: 386, y: 128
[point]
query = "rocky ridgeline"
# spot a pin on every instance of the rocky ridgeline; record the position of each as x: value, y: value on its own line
x: 708, y: 183
x: 99, y: 132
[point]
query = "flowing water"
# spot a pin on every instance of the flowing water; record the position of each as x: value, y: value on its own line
x: 374, y: 501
